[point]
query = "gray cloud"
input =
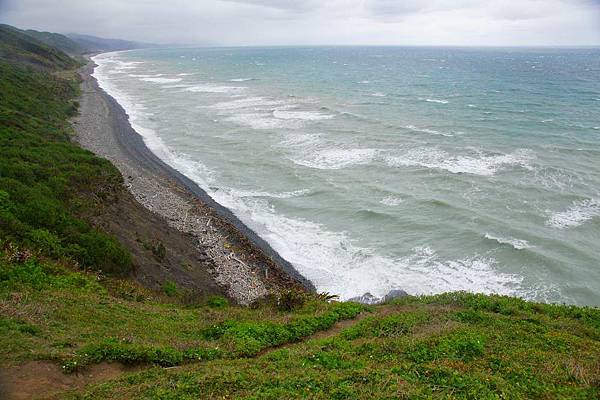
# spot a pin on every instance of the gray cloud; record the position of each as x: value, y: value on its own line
x: 292, y: 6
x: 274, y: 22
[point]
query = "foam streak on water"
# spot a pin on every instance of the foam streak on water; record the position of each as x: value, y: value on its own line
x: 578, y: 213
x: 369, y: 176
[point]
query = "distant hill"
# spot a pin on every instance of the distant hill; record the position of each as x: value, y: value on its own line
x: 19, y: 46
x: 93, y: 44
x: 58, y: 41
x: 75, y: 44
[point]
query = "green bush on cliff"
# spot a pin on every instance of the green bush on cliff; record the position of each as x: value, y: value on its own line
x: 47, y: 183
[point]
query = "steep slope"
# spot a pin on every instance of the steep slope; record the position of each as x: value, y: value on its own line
x: 58, y: 41
x: 17, y: 46
x: 60, y: 201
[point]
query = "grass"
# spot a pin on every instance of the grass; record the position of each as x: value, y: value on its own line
x: 421, y: 350
x: 454, y: 345
x: 291, y: 346
x: 85, y: 319
x: 18, y: 46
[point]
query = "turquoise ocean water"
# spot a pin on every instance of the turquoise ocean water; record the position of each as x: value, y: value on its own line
x: 374, y: 168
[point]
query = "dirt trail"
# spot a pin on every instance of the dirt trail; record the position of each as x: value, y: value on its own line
x: 45, y: 380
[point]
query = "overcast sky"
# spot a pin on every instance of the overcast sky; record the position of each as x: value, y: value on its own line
x: 273, y: 22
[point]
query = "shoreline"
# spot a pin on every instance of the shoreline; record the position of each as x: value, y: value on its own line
x: 241, y: 256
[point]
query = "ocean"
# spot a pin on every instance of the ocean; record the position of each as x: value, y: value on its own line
x: 378, y: 168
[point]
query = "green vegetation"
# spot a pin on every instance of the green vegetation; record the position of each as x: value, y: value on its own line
x: 170, y: 288
x: 18, y: 46
x: 453, y: 345
x: 48, y: 184
x: 290, y: 345
x: 58, y: 41
x: 79, y: 319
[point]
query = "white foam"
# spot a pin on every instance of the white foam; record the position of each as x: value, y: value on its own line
x: 555, y: 178
x: 363, y: 82
x: 335, y: 158
x: 301, y: 140
x: 241, y: 79
x: 392, y: 201
x: 579, y: 212
x: 208, y: 88
x: 161, y: 80
x: 262, y: 121
x: 484, y: 165
x: 144, y: 75
x: 517, y: 244
x: 136, y: 114
x: 329, y: 259
x: 334, y: 264
x: 301, y: 115
x: 266, y: 113
x: 248, y: 102
x: 122, y: 66
x: 430, y: 131
x: 102, y: 72
x: 280, y: 195
x: 438, y: 101
x: 377, y: 94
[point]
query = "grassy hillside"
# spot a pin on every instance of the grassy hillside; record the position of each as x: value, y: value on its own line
x: 16, y: 46
x: 58, y: 41
x: 48, y: 183
x: 46, y: 48
x: 65, y: 322
x: 449, y: 346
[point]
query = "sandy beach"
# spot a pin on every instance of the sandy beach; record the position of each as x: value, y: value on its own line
x: 231, y: 254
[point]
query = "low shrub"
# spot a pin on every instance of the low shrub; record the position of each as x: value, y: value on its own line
x: 249, y: 338
x: 8, y: 326
x: 38, y: 275
x: 288, y: 300
x: 159, y: 251
x: 170, y: 288
x: 217, y: 302
x: 114, y: 350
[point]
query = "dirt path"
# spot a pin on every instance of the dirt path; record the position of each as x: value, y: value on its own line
x: 46, y: 380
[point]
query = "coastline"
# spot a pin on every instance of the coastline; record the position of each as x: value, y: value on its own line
x: 244, y: 264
